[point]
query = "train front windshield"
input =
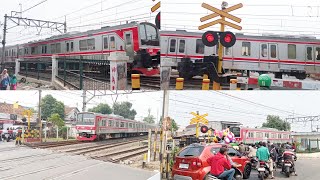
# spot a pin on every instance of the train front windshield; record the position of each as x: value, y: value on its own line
x: 149, y: 34
x: 235, y: 131
x: 85, y: 119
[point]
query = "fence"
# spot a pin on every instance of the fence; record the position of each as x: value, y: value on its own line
x: 310, y: 145
x: 36, y: 69
x: 72, y: 72
x: 58, y: 134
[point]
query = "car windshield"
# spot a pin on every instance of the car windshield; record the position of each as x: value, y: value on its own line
x: 191, y: 151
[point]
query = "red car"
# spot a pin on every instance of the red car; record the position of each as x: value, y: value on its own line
x: 191, y: 162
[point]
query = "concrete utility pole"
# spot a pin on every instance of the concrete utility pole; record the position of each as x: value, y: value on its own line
x: 39, y: 115
x: 4, y: 41
x: 84, y: 103
x: 163, y: 140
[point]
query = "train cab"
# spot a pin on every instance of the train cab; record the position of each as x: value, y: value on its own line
x: 85, y: 126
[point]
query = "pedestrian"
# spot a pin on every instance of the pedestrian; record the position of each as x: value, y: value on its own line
x: 242, y: 148
x: 13, y: 82
x: 18, y: 138
x: 4, y: 80
x: 264, y: 155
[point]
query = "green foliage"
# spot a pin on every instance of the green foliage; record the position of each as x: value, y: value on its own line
x: 124, y: 109
x: 174, y: 125
x: 56, y: 120
x: 277, y: 123
x: 101, y: 108
x: 63, y: 131
x: 49, y: 106
x: 150, y: 118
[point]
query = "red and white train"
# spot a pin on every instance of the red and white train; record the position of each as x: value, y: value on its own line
x: 140, y: 41
x: 296, y: 56
x: 253, y: 135
x: 93, y: 126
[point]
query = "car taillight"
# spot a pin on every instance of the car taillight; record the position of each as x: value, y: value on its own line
x: 197, y: 163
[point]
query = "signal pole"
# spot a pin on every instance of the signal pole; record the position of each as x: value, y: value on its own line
x: 39, y: 116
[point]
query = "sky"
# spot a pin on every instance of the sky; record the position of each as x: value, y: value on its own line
x: 248, y: 107
x: 81, y: 15
x: 288, y: 17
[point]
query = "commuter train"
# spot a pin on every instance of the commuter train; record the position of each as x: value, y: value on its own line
x: 292, y: 55
x: 253, y: 135
x: 93, y: 126
x: 140, y: 41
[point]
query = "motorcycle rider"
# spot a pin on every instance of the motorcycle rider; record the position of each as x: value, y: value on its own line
x: 264, y: 82
x: 220, y: 165
x: 264, y: 155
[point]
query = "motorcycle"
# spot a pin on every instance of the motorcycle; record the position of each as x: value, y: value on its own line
x: 263, y: 170
x: 254, y: 162
x: 237, y: 176
x: 288, y: 163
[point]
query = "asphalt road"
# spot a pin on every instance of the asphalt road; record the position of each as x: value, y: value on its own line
x: 307, y: 169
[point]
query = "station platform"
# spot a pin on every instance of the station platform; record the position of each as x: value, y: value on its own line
x: 24, y: 163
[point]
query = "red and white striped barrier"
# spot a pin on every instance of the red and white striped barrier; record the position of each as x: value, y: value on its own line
x: 284, y: 83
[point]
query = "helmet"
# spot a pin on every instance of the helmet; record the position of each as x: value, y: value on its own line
x: 264, y: 80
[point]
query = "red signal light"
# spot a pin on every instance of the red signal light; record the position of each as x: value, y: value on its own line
x: 210, y: 38
x: 227, y: 39
x: 204, y: 129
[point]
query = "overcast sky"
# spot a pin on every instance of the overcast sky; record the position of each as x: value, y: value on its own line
x: 272, y: 16
x: 225, y: 106
x: 81, y: 15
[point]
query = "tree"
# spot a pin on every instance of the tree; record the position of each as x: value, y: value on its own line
x: 174, y: 125
x: 124, y: 109
x: 277, y: 123
x: 150, y: 118
x: 56, y: 120
x: 101, y: 108
x: 49, y: 106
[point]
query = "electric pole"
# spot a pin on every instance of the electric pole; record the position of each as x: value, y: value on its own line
x: 4, y: 41
x: 39, y: 116
x: 163, y: 138
x: 84, y: 103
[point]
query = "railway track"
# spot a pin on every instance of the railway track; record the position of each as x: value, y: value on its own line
x: 122, y: 155
x: 85, y: 150
x: 52, y: 144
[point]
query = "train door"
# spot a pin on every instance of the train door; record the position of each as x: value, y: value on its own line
x: 128, y: 44
x: 274, y: 55
x: 263, y: 57
x: 316, y: 58
x: 309, y: 56
x: 177, y: 48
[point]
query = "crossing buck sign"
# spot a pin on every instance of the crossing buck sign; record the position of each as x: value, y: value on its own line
x: 223, y: 14
x: 199, y: 118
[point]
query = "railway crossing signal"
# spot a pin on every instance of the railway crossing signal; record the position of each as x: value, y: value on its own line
x: 204, y: 129
x: 210, y: 38
x: 198, y: 119
x: 227, y: 39
x: 153, y: 9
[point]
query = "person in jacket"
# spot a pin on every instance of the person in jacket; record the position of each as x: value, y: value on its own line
x: 13, y: 82
x: 4, y: 80
x: 263, y: 154
x: 242, y: 148
x: 220, y: 165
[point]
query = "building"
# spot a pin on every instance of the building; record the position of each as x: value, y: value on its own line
x: 70, y: 113
x: 307, y: 140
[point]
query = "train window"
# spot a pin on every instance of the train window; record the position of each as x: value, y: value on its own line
x: 264, y: 50
x: 53, y: 48
x: 128, y: 39
x: 126, y: 125
x: 246, y: 49
x: 199, y: 46
x: 83, y: 45
x: 58, y: 48
x: 182, y: 45
x: 71, y: 46
x: 67, y: 47
x: 122, y: 124
x: 130, y: 125
x: 273, y: 135
x: 309, y: 53
x: 110, y: 123
x: 33, y: 50
x: 273, y: 51
x: 172, y: 45
x: 279, y: 136
x: 117, y: 123
x: 44, y: 49
x: 266, y: 135
x: 91, y: 44
x: 259, y: 135
x: 112, y: 42
x: 250, y: 135
x: 105, y: 43
x: 292, y: 52
x: 103, y: 122
x: 20, y: 52
x: 317, y: 55
x: 148, y: 35
x: 26, y: 51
